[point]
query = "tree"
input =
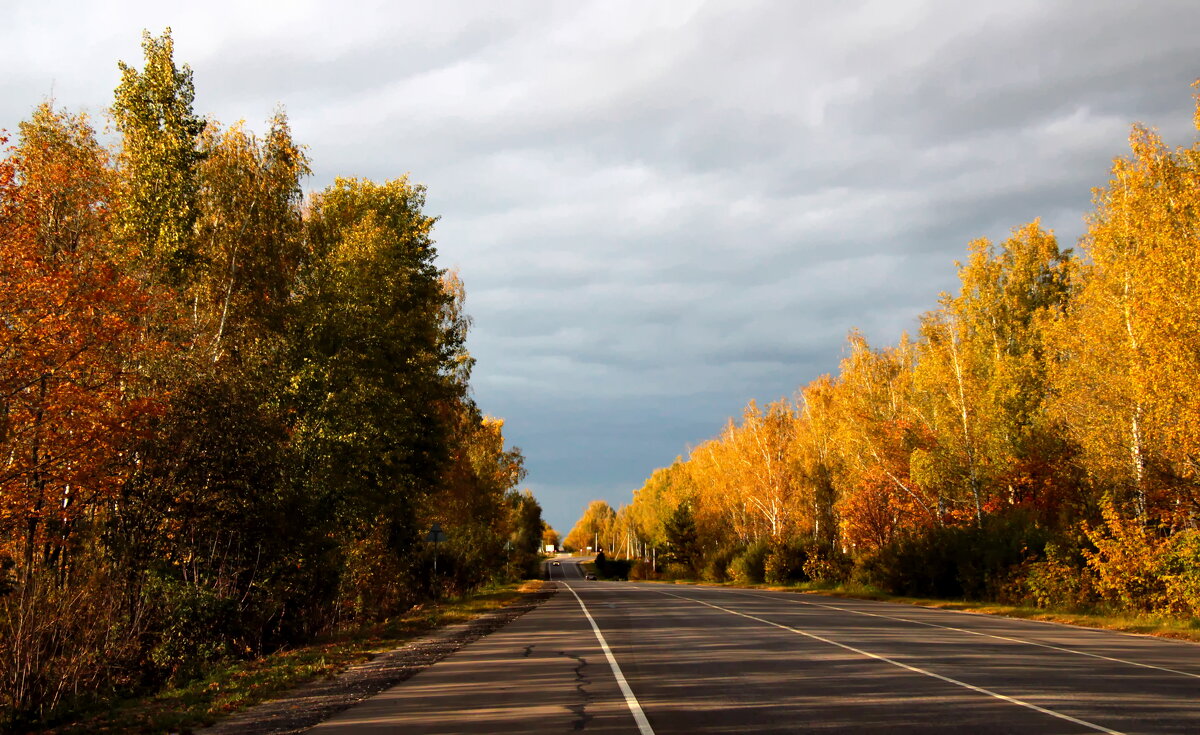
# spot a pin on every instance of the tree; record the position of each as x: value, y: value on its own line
x: 682, y: 540
x: 1127, y: 350
x: 878, y: 431
x: 982, y: 374
x: 159, y: 158
x: 67, y: 341
x: 248, y: 236
x: 594, y: 527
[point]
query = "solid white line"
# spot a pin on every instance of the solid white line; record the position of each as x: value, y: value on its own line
x: 885, y: 659
x: 634, y: 707
x: 976, y: 632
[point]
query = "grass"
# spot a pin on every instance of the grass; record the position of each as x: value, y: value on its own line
x: 237, y: 685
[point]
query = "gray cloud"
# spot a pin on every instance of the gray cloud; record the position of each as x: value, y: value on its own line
x: 662, y: 210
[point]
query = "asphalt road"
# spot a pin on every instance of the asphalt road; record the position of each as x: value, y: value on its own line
x: 687, y: 659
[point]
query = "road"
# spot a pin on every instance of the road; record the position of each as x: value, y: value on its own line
x: 641, y: 658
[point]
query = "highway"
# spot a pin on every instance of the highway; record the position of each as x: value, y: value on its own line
x: 617, y: 657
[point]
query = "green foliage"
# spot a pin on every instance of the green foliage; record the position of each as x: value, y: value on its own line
x: 160, y: 133
x: 235, y: 414
x: 962, y: 562
x: 1060, y: 581
x: 749, y: 567
x: 717, y: 564
x: 785, y: 562
x: 681, y: 537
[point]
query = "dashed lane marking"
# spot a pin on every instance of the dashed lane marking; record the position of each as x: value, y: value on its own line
x: 634, y: 707
x: 893, y: 662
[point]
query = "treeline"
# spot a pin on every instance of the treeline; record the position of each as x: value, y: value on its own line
x: 1037, y: 441
x: 229, y: 415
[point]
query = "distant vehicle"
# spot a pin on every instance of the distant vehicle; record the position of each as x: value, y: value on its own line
x: 590, y: 576
x: 556, y: 564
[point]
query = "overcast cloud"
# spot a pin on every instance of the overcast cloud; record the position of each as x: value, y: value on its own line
x: 664, y: 209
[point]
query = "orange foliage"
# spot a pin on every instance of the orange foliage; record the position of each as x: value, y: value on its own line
x: 69, y: 341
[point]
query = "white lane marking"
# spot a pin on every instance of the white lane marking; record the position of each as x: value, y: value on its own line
x: 885, y: 659
x: 634, y: 707
x: 975, y: 632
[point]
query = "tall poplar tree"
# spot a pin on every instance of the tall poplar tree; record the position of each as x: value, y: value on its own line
x: 160, y: 152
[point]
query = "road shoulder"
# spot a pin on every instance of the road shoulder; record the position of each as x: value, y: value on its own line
x: 307, y: 705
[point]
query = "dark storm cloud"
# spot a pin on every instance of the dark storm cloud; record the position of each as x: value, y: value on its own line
x: 662, y: 210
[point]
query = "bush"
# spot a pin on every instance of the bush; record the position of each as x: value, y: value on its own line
x: 716, y: 565
x: 1126, y: 563
x: 676, y: 570
x: 612, y: 568
x: 956, y: 562
x: 827, y: 563
x: 194, y: 627
x: 785, y: 562
x: 641, y: 569
x: 749, y: 567
x: 1179, y: 566
x: 59, y: 641
x: 1061, y: 580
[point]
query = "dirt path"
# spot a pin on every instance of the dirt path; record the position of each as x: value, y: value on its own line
x: 307, y: 705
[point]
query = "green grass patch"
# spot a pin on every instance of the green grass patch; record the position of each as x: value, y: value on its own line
x: 237, y: 685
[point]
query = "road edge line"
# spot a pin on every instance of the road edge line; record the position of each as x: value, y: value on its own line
x: 635, y: 708
x: 968, y: 631
x: 914, y: 669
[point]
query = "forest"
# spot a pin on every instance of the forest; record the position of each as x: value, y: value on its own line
x: 230, y: 413
x: 1036, y: 441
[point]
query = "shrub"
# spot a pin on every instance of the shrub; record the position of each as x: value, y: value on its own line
x: 956, y: 562
x: 58, y: 641
x: 785, y: 562
x: 827, y: 563
x: 717, y: 565
x: 749, y: 567
x: 1125, y: 562
x: 194, y: 626
x: 641, y: 569
x: 1061, y: 580
x: 1179, y: 567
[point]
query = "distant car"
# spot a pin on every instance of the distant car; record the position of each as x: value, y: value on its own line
x: 556, y: 564
x: 590, y: 576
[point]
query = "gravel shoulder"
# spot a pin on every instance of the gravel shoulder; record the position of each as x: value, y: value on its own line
x: 305, y: 706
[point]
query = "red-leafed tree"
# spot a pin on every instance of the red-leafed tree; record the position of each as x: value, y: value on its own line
x: 70, y: 340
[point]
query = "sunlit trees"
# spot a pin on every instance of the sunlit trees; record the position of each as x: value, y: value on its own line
x: 1128, y: 350
x: 1039, y: 436
x: 228, y: 414
x: 160, y: 152
x: 594, y: 528
x: 68, y: 338
x: 982, y: 376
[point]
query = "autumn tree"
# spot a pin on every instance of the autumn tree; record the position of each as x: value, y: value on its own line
x: 1127, y: 350
x: 594, y: 527
x: 159, y: 158
x: 878, y: 431
x: 68, y: 338
x: 982, y: 376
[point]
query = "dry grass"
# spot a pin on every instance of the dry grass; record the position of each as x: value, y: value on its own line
x: 240, y: 684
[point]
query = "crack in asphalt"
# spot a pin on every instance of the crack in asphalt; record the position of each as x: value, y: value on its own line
x: 581, y: 681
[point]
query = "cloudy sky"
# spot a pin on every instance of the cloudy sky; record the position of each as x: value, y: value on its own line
x: 664, y: 209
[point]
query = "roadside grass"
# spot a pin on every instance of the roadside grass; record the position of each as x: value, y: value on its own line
x: 236, y: 685
x: 1143, y: 624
